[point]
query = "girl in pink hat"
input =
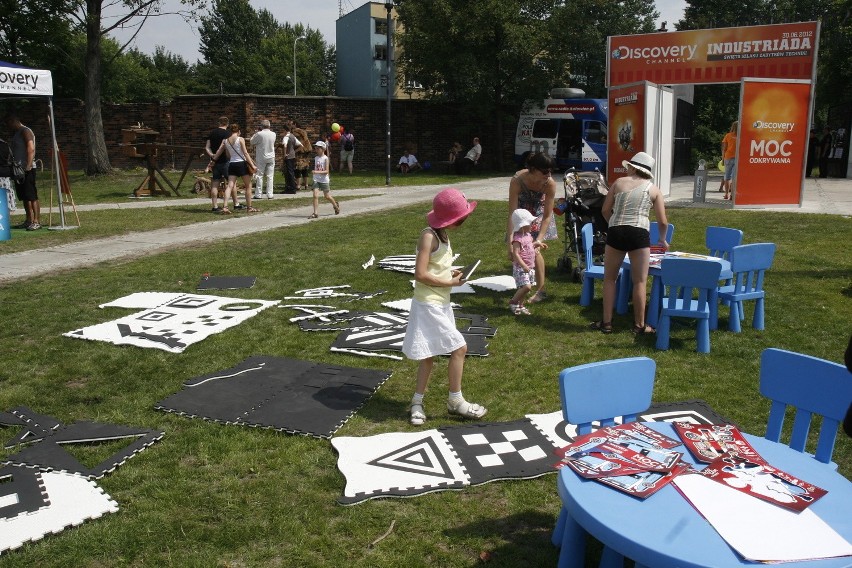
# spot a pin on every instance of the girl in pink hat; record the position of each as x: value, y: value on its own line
x: 432, y: 327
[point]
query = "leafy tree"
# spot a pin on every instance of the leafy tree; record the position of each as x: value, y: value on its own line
x: 247, y: 50
x: 483, y: 55
x: 579, y: 31
x: 89, y: 15
x: 492, y: 55
x: 29, y: 30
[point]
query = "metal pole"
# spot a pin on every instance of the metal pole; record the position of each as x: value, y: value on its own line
x: 294, y: 63
x: 390, y: 85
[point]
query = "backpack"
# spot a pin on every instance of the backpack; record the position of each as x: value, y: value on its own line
x: 348, y: 143
x: 9, y: 167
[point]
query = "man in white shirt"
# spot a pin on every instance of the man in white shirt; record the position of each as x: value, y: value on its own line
x: 464, y: 165
x: 264, y: 152
x: 407, y: 163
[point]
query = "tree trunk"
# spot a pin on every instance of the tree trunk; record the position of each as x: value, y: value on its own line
x: 97, y: 158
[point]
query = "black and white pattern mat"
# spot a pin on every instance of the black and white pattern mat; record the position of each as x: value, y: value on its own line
x: 407, y: 464
x: 175, y: 324
x: 288, y: 395
x: 35, y: 503
x: 50, y: 451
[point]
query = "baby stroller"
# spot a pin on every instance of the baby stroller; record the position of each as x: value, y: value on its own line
x: 583, y: 202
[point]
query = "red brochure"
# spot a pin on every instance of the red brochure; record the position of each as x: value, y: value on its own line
x: 643, y: 485
x: 608, y: 459
x: 639, y: 430
x: 764, y: 482
x: 708, y: 443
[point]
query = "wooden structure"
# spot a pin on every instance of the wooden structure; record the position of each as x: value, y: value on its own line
x: 141, y: 142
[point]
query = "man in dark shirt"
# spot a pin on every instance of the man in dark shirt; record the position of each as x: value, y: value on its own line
x: 22, y: 144
x: 220, y: 166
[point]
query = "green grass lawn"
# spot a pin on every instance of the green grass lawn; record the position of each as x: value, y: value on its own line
x: 213, y: 495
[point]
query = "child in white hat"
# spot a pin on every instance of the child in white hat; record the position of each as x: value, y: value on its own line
x: 523, y: 259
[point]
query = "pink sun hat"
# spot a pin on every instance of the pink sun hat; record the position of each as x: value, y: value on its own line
x: 449, y: 206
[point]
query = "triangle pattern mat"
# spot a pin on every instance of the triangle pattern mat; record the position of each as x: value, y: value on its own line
x: 407, y: 464
x: 48, y: 449
x: 288, y: 395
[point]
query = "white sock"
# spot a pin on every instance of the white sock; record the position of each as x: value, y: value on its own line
x: 456, y: 397
x: 417, y: 399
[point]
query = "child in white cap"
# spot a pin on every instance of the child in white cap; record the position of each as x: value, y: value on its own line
x: 322, y: 180
x: 523, y: 259
x: 432, y: 327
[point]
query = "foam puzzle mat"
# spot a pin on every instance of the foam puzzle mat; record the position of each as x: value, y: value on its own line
x: 34, y: 504
x: 49, y: 443
x: 226, y: 282
x: 174, y: 324
x: 288, y: 395
x: 408, y: 464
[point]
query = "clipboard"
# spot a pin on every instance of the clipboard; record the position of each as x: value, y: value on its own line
x: 468, y: 270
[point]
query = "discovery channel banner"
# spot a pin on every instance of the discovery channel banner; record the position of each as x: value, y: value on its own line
x: 722, y: 55
x: 626, y: 127
x: 772, y: 142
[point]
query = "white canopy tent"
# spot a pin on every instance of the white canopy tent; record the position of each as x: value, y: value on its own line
x: 19, y: 82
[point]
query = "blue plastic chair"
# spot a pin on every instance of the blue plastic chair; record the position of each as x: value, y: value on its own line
x: 685, y: 278
x: 748, y: 265
x: 654, y: 233
x: 811, y: 386
x: 592, y: 271
x: 720, y: 241
x: 599, y: 392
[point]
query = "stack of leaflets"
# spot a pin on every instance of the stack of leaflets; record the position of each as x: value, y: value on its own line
x: 733, y: 462
x: 631, y: 458
x: 709, y: 442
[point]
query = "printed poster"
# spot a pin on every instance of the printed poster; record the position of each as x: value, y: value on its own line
x: 626, y: 127
x: 772, y: 142
x: 722, y: 55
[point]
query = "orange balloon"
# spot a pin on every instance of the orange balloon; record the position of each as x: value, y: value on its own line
x: 335, y: 137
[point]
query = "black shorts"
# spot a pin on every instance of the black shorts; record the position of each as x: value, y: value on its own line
x: 220, y: 170
x: 628, y: 238
x: 238, y: 169
x: 27, y: 191
x: 302, y: 172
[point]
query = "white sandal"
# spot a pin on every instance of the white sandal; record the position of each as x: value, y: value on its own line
x: 418, y: 417
x: 467, y: 409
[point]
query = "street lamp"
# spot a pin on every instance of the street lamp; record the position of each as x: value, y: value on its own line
x: 294, y: 63
x: 390, y: 85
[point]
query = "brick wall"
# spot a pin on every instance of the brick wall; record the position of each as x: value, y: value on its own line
x: 427, y: 129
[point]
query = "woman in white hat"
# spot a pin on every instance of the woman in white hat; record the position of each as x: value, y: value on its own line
x: 626, y: 209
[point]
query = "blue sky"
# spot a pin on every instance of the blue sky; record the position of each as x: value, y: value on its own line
x: 181, y: 38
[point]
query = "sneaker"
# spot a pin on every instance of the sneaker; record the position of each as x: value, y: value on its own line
x: 466, y: 409
x: 418, y: 417
x: 216, y: 210
x: 23, y: 225
x: 513, y: 308
x: 522, y: 311
x: 239, y: 206
x: 34, y: 227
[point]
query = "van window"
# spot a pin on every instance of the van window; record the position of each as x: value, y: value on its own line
x: 545, y: 128
x: 595, y: 132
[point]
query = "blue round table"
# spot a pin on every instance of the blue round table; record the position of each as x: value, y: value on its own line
x: 665, y: 530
